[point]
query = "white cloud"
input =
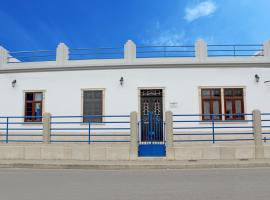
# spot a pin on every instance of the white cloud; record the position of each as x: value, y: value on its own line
x: 200, y: 10
x: 169, y: 38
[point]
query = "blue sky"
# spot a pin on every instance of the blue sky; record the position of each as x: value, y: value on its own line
x: 42, y: 24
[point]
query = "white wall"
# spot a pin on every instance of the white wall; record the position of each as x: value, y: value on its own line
x: 63, y: 89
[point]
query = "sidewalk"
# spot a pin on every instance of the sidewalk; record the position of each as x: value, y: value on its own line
x: 141, y: 164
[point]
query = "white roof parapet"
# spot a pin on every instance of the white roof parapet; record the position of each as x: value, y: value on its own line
x: 204, y: 56
x: 62, y: 53
x: 130, y: 51
x: 266, y: 48
x: 3, y: 56
x: 201, y: 51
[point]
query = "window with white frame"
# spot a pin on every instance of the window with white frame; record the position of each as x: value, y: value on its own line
x: 92, y: 106
x: 230, y: 99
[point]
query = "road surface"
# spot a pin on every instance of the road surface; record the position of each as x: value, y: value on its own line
x: 204, y: 184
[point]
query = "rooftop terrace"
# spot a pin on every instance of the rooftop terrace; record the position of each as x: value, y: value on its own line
x: 130, y: 54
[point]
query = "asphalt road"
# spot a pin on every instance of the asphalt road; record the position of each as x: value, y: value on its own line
x: 208, y: 184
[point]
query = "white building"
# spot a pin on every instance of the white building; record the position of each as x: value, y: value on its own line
x: 201, y: 79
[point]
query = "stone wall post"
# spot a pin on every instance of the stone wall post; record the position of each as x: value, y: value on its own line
x: 130, y: 51
x: 3, y: 56
x: 169, y: 135
x: 46, y: 122
x: 133, y: 135
x: 201, y: 50
x: 266, y: 48
x: 62, y: 53
x: 257, y: 130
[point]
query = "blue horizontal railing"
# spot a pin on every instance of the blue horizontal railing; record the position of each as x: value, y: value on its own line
x: 13, y: 129
x: 235, y: 50
x: 96, y: 53
x: 32, y: 56
x: 165, y: 51
x: 192, y: 128
x: 113, y: 128
x: 265, y: 122
x: 116, y: 128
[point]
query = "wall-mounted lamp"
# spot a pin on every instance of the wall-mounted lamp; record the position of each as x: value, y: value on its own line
x: 257, y: 78
x: 267, y: 82
x: 121, y: 80
x: 13, y: 83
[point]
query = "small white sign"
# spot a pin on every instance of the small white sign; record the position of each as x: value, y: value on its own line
x: 173, y: 104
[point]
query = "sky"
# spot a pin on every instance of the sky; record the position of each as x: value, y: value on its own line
x: 42, y: 24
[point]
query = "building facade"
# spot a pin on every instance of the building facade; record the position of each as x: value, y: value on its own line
x: 212, y: 86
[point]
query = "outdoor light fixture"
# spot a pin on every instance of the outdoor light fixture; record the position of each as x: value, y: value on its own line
x: 121, y: 80
x: 13, y: 83
x: 257, y: 78
x: 267, y: 82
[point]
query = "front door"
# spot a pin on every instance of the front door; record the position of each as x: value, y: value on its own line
x: 151, y: 123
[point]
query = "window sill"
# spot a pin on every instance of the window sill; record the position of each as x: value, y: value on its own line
x: 93, y: 124
x: 31, y: 123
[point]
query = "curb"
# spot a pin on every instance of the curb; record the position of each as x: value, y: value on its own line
x: 132, y: 165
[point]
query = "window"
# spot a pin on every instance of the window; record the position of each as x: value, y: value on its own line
x: 211, y: 103
x: 233, y: 100
x: 33, y: 106
x: 92, y: 105
x: 233, y: 103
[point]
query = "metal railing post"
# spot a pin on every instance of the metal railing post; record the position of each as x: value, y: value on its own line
x: 133, y: 135
x: 89, y: 132
x: 7, y: 129
x: 165, y: 51
x: 257, y: 130
x: 213, y: 129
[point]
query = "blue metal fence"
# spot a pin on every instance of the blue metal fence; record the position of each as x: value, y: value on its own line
x: 116, y: 128
x: 14, y: 129
x: 192, y: 128
x: 113, y: 128
x: 265, y: 118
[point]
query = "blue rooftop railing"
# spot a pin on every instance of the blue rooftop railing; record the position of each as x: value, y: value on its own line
x: 161, y: 51
x: 96, y: 53
x: 165, y: 51
x: 192, y: 128
x: 235, y: 50
x: 32, y: 56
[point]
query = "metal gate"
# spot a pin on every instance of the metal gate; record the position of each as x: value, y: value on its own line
x: 152, y: 140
